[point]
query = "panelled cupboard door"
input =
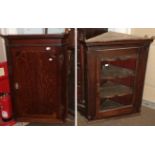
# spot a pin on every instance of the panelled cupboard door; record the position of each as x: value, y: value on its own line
x: 37, y: 82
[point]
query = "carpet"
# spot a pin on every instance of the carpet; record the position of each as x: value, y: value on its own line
x: 145, y: 118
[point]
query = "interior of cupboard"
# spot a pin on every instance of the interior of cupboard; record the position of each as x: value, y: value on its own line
x: 117, y: 76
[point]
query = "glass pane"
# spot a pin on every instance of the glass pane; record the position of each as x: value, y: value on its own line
x: 117, y: 75
x: 115, y: 102
x: 110, y: 89
x: 111, y: 71
x: 109, y: 104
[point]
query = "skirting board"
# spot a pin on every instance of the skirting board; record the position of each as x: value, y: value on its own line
x: 148, y: 104
x: 149, y: 93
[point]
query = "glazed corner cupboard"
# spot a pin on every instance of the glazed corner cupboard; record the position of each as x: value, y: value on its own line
x: 39, y: 71
x: 114, y: 71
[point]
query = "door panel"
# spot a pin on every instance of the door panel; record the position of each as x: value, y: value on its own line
x: 37, y: 81
x: 116, y: 75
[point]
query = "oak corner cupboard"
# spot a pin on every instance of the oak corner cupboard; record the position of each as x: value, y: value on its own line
x: 39, y: 68
x: 114, y: 70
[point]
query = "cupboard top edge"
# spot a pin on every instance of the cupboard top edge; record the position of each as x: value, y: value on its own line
x: 34, y: 36
x: 117, y: 38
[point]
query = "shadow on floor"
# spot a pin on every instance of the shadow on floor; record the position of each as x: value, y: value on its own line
x: 69, y: 122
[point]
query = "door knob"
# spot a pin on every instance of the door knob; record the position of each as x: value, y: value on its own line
x: 16, y: 86
x: 106, y: 65
x: 50, y: 59
x: 48, y: 48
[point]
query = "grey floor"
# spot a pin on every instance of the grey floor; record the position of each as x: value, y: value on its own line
x: 145, y: 118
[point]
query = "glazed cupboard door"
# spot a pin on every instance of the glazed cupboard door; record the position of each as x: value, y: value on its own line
x: 116, y: 78
x: 36, y: 83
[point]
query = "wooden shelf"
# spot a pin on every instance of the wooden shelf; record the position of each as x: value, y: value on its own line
x: 109, y: 104
x: 112, y: 72
x: 110, y: 90
x: 119, y: 58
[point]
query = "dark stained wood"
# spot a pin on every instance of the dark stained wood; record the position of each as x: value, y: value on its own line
x: 38, y: 68
x: 80, y: 72
x: 128, y: 56
x: 70, y: 39
x: 143, y: 55
x: 83, y: 34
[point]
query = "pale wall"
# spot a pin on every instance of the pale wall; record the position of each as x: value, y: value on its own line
x: 149, y: 87
x: 121, y: 30
x: 2, y: 50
